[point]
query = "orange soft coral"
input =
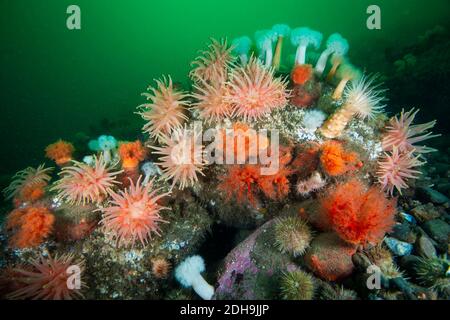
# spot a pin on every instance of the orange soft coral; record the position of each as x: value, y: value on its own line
x: 243, y: 142
x: 335, y: 160
x: 245, y: 182
x: 306, y: 161
x: 131, y: 154
x: 302, y: 73
x: 356, y: 214
x: 32, y: 192
x: 275, y: 186
x: 241, y: 182
x: 30, y: 226
x: 60, y: 152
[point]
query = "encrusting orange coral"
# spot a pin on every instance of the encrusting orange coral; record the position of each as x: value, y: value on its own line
x: 61, y: 152
x: 30, y: 226
x: 335, y: 160
x: 131, y: 154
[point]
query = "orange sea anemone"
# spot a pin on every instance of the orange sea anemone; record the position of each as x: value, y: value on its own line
x: 160, y: 268
x: 48, y: 279
x: 213, y: 64
x: 358, y: 215
x: 30, y: 226
x: 131, y: 154
x: 166, y: 110
x: 60, y: 152
x: 182, y: 157
x: 82, y: 184
x: 302, y: 73
x: 335, y: 160
x: 211, y: 101
x: 133, y: 214
x: 255, y: 92
x: 28, y: 184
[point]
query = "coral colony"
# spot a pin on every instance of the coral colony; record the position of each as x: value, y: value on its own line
x: 133, y: 214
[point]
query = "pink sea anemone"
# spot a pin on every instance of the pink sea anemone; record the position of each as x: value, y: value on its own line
x: 133, y: 214
x: 211, y: 101
x: 27, y: 179
x: 401, y: 134
x: 166, y: 109
x: 255, y: 92
x: 81, y: 183
x: 182, y: 157
x: 47, y: 279
x: 395, y: 168
x: 213, y: 64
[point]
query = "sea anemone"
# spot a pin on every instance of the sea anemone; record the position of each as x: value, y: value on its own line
x: 297, y: 285
x: 212, y: 65
x: 82, y: 184
x: 281, y: 32
x: 188, y: 274
x: 302, y: 38
x: 313, y: 119
x: 133, y: 214
x: 346, y: 72
x: 182, y: 157
x: 30, y: 226
x: 107, y: 144
x: 160, y: 267
x: 336, y: 45
x: 25, y: 180
x: 48, y: 279
x: 131, y: 154
x: 60, y: 152
x: 402, y: 134
x: 357, y: 215
x: 336, y: 61
x: 241, y: 47
x: 395, y: 168
x: 211, y: 101
x: 312, y: 184
x: 362, y: 99
x: 301, y: 74
x: 264, y: 40
x: 166, y: 110
x: 149, y: 169
x: 335, y: 160
x: 254, y: 91
x: 292, y: 235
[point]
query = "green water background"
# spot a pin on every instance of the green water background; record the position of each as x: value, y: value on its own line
x: 56, y: 83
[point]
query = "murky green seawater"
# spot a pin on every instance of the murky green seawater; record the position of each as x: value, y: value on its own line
x: 56, y: 83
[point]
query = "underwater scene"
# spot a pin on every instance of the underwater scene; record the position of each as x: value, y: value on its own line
x: 225, y: 150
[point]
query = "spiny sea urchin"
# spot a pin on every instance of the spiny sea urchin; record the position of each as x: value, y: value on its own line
x: 292, y: 235
x: 297, y: 285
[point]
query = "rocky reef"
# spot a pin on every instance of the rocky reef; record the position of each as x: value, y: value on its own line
x: 276, y: 175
